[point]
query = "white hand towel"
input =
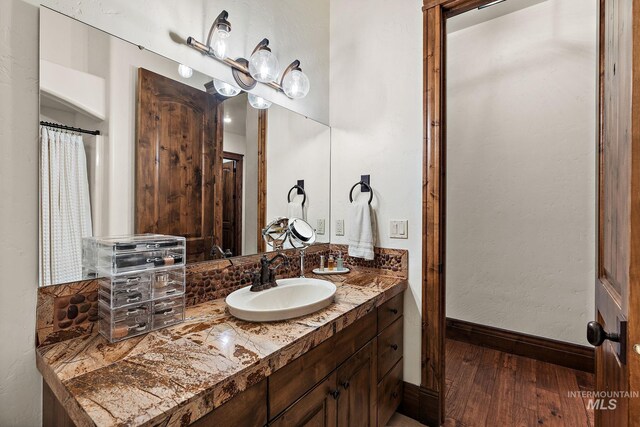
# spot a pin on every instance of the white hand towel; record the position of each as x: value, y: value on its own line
x: 360, y: 229
x: 295, y: 209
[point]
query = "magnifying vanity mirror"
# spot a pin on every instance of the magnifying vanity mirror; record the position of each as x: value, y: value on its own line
x: 287, y: 233
x: 133, y: 142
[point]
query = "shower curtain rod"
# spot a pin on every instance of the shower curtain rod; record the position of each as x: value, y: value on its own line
x: 57, y: 126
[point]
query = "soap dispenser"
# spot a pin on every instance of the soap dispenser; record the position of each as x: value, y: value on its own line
x: 331, y: 263
x: 340, y: 262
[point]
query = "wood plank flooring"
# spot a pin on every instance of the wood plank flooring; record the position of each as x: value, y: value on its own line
x: 486, y: 387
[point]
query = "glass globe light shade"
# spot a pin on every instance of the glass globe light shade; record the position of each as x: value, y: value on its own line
x: 263, y: 66
x: 296, y: 84
x: 258, y: 102
x: 185, y: 71
x: 225, y: 89
x: 219, y: 42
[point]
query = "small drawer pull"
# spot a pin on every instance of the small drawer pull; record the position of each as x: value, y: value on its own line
x: 393, y: 310
x: 394, y: 346
x: 394, y: 394
x: 335, y: 394
x: 345, y: 385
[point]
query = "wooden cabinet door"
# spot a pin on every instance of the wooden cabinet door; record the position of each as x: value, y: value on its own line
x: 357, y: 386
x: 178, y: 157
x: 247, y: 409
x: 315, y: 409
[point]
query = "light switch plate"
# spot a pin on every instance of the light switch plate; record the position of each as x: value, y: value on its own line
x: 320, y: 226
x: 340, y: 227
x: 399, y: 229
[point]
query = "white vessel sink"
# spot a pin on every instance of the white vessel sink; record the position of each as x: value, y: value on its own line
x: 291, y: 298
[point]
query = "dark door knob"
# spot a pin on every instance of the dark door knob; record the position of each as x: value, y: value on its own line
x: 596, y: 334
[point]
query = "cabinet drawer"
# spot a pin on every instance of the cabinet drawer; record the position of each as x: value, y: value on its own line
x: 248, y: 408
x: 354, y: 337
x: 390, y: 311
x: 316, y: 408
x: 296, y: 378
x: 389, y: 347
x: 389, y: 394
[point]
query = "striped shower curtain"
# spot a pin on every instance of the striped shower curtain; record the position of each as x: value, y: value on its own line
x: 65, y: 213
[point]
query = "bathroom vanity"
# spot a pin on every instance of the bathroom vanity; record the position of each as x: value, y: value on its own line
x: 339, y: 366
x: 353, y: 378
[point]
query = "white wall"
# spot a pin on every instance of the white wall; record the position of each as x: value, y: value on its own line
x: 20, y: 386
x: 376, y: 129
x: 521, y: 170
x: 298, y: 148
x: 296, y: 30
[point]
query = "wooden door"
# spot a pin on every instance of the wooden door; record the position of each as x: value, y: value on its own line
x: 315, y: 409
x: 618, y: 272
x: 357, y: 386
x: 232, y: 203
x: 178, y: 157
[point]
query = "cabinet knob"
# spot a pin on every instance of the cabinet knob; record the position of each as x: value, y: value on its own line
x: 394, y: 346
x: 394, y: 310
x: 345, y: 385
x: 335, y: 393
x: 394, y: 394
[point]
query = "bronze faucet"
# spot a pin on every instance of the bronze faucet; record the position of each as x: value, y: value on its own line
x: 266, y: 277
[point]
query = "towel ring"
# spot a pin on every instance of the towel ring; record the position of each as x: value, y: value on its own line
x: 304, y: 193
x: 361, y: 183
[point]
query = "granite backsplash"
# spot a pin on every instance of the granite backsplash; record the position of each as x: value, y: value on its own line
x: 69, y: 310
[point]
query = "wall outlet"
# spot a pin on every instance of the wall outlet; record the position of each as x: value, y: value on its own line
x: 320, y: 226
x: 340, y: 227
x: 399, y: 229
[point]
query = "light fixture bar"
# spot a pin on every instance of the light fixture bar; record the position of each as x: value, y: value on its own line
x: 206, y: 50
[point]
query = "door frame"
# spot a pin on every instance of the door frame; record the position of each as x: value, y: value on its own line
x: 239, y: 176
x: 262, y: 178
x: 432, y: 381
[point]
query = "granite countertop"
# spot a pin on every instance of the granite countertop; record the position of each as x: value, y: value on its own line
x: 176, y: 375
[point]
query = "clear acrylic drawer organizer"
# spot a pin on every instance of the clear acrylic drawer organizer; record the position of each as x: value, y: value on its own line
x: 141, y: 282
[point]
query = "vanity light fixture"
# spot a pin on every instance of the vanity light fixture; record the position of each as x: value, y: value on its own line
x: 295, y: 83
x: 262, y: 66
x: 258, y: 102
x: 185, y: 71
x: 225, y: 89
x: 218, y: 35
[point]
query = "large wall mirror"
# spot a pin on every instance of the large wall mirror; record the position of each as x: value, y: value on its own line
x: 172, y: 155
